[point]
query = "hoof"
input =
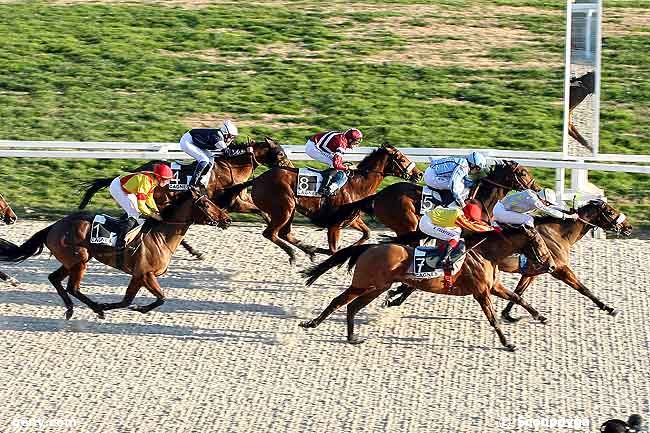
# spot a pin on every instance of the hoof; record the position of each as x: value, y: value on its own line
x: 68, y: 313
x: 542, y: 320
x: 511, y: 347
x: 14, y: 282
x: 307, y: 324
x: 613, y: 312
x: 138, y: 308
x: 100, y: 314
x: 200, y: 256
x: 355, y: 340
x: 312, y: 257
x: 508, y: 318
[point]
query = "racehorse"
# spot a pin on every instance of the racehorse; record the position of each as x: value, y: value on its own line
x: 378, y: 266
x: 398, y: 205
x: 8, y: 217
x: 579, y: 88
x: 559, y: 236
x: 69, y: 241
x: 274, y: 192
x: 236, y: 167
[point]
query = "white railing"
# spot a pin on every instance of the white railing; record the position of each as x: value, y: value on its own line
x: 168, y: 151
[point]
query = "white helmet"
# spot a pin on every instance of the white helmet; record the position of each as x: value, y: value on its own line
x: 548, y: 195
x: 229, y: 129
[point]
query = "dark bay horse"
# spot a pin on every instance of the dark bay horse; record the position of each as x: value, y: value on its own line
x: 579, y: 88
x: 378, y: 266
x: 560, y: 236
x: 274, y: 192
x: 226, y: 171
x: 398, y: 205
x: 7, y: 216
x: 69, y: 241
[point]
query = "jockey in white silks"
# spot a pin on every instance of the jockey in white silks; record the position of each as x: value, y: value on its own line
x: 203, y: 144
x: 520, y: 208
x: 453, y: 174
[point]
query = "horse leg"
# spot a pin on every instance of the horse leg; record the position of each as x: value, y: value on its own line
x: 285, y: 234
x: 502, y: 292
x: 76, y: 273
x: 354, y: 307
x: 402, y: 293
x: 192, y: 251
x: 573, y: 132
x: 56, y: 278
x: 566, y: 274
x: 360, y: 225
x: 131, y: 291
x: 488, y: 310
x: 349, y: 295
x: 151, y: 283
x: 333, y: 238
x: 522, y: 286
x: 247, y: 206
x: 11, y: 280
x: 273, y: 228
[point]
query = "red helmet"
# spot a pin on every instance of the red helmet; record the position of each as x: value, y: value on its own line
x: 473, y: 211
x: 163, y: 171
x: 353, y: 134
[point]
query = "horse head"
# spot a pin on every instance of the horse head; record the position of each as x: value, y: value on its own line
x: 6, y: 214
x: 600, y: 214
x: 269, y: 152
x: 205, y: 212
x: 511, y: 175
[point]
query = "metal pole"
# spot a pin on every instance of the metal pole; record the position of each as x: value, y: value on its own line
x: 567, y: 80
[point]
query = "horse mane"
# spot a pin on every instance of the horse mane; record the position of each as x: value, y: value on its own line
x: 365, y: 162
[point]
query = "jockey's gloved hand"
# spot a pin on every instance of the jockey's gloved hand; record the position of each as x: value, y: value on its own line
x: 156, y: 216
x: 572, y: 216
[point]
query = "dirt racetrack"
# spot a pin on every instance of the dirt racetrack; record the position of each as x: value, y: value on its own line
x: 225, y: 353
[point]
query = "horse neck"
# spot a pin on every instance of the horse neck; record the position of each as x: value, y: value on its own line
x: 366, y: 180
x: 225, y: 173
x: 491, y: 197
x: 172, y: 231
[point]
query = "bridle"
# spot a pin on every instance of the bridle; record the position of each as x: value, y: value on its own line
x: 611, y: 223
x: 403, y: 169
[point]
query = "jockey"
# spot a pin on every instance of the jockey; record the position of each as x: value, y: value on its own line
x: 204, y: 144
x: 520, y: 207
x: 134, y: 193
x: 446, y: 224
x: 328, y: 148
x: 453, y: 174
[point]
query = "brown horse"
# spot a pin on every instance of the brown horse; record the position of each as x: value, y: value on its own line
x: 7, y: 216
x: 229, y: 170
x: 274, y: 192
x: 560, y: 236
x: 379, y: 266
x: 69, y: 241
x: 398, y: 205
x: 579, y: 89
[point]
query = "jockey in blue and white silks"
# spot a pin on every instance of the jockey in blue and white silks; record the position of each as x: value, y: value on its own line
x: 453, y: 174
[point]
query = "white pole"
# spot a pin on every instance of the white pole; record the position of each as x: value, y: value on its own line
x: 567, y: 80
x: 595, y: 141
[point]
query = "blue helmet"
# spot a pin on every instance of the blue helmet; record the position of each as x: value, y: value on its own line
x: 477, y: 159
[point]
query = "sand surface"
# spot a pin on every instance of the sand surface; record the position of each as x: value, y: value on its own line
x: 225, y: 353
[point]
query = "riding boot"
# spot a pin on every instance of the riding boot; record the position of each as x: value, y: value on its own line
x: 541, y: 260
x: 202, y: 167
x: 328, y: 178
x: 125, y: 228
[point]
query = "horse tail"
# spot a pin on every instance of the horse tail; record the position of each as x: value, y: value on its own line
x: 10, y: 252
x: 344, y: 214
x: 229, y: 194
x: 91, y: 189
x: 351, y: 253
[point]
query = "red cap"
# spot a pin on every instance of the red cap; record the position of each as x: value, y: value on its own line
x: 163, y: 171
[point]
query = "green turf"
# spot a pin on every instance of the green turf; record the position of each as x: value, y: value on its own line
x: 139, y: 72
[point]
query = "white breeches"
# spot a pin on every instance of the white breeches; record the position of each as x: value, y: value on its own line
x: 317, y: 154
x: 502, y: 215
x: 442, y: 233
x: 128, y: 202
x: 436, y: 182
x: 187, y: 145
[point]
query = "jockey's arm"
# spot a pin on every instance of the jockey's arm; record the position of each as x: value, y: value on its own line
x: 337, y: 161
x: 457, y: 184
x: 142, y: 187
x: 549, y: 210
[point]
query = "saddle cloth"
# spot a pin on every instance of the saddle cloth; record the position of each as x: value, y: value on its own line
x: 182, y: 175
x: 426, y: 264
x: 106, y: 229
x: 309, y: 182
x: 434, y: 197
